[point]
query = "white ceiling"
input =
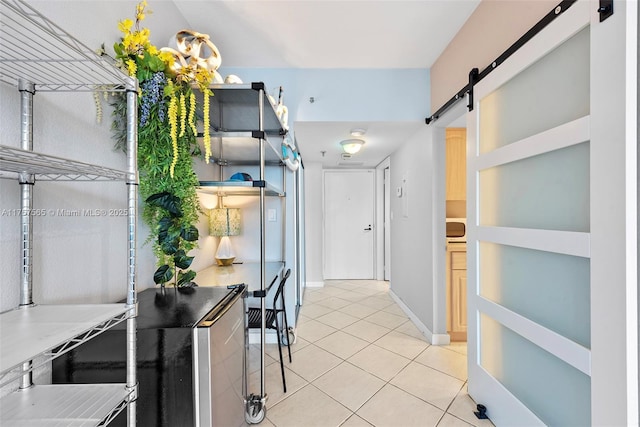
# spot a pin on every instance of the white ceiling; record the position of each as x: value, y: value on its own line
x: 381, y: 139
x: 333, y: 34
x: 329, y: 33
x: 294, y: 34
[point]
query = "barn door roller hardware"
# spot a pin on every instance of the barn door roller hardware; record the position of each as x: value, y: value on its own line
x: 605, y: 9
x: 606, y: 6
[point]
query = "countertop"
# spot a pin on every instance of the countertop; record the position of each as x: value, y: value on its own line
x: 247, y: 273
x: 176, y: 307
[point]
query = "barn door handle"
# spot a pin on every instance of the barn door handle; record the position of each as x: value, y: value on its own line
x: 368, y: 228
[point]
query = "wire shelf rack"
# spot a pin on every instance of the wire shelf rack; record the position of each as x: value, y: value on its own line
x: 42, y: 53
x: 15, y: 161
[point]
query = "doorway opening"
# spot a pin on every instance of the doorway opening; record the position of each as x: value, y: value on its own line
x: 455, y: 229
x: 450, y: 260
x: 383, y: 220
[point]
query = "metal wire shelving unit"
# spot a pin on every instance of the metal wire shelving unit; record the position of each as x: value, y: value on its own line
x: 38, y: 56
x: 37, y: 50
x: 248, y: 132
x: 14, y: 161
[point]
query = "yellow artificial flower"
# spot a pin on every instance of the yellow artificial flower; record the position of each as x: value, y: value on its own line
x: 167, y: 58
x: 184, y: 74
x: 173, y: 122
x: 207, y: 135
x: 129, y: 42
x: 171, y: 87
x: 152, y: 50
x: 140, y: 10
x: 136, y: 40
x: 203, y: 77
x: 145, y: 33
x: 183, y: 114
x: 132, y: 67
x: 192, y: 113
x: 125, y: 26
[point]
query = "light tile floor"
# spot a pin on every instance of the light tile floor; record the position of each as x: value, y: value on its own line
x: 359, y: 361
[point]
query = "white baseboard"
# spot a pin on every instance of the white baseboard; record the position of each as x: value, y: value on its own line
x: 315, y: 285
x: 270, y: 337
x: 434, y: 339
x: 440, y: 339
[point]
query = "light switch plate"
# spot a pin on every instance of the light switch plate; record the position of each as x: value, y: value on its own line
x: 271, y: 215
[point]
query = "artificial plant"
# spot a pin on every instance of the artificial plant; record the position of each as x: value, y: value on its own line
x: 166, y: 143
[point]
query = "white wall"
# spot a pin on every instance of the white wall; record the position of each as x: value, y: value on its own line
x: 411, y: 226
x: 418, y: 275
x: 345, y: 94
x: 313, y: 218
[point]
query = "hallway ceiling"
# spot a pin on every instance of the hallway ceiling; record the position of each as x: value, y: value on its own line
x: 381, y: 139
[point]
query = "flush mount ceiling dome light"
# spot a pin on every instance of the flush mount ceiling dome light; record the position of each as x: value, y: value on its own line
x: 351, y: 146
x: 358, y: 132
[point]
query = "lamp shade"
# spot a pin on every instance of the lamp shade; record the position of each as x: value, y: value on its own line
x: 224, y: 222
x: 351, y: 146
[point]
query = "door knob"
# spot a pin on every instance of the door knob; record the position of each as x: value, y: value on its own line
x: 368, y: 228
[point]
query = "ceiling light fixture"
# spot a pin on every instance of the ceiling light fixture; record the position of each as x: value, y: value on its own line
x: 351, y: 146
x: 358, y: 132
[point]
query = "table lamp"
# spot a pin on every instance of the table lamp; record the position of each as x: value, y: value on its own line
x: 224, y: 222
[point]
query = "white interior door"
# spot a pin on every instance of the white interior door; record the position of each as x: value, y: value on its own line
x: 541, y: 266
x: 348, y: 224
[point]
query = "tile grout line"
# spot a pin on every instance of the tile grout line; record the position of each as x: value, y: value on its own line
x: 388, y: 382
x: 368, y: 344
x: 387, y: 333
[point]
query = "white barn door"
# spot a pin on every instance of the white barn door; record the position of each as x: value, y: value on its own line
x: 552, y: 248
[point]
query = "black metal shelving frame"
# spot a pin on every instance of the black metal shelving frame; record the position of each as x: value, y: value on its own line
x: 245, y: 125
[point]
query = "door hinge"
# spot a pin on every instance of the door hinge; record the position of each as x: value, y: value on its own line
x: 605, y: 9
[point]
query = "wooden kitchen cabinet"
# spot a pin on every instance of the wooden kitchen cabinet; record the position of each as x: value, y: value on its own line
x: 457, y: 291
x: 456, y: 163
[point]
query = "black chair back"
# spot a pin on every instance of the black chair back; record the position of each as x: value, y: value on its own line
x: 280, y: 289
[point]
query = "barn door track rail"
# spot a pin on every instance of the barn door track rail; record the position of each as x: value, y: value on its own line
x: 475, y: 75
